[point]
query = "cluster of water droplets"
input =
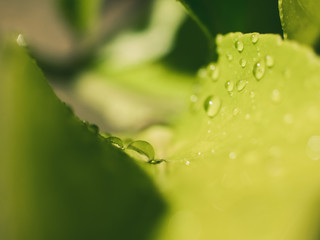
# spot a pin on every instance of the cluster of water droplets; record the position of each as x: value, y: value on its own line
x: 139, y: 150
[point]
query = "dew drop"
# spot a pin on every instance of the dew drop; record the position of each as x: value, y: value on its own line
x: 213, y: 72
x: 187, y: 163
x: 288, y: 118
x: 219, y: 38
x: 115, y: 141
x: 239, y: 46
x: 275, y: 96
x: 21, y: 41
x: 202, y: 73
x: 243, y: 62
x: 199, y: 153
x: 247, y: 116
x: 258, y: 70
x: 241, y: 84
x: 232, y: 155
x: 104, y: 134
x: 141, y: 150
x: 93, y: 128
x: 156, y: 161
x: 236, y: 111
x: 229, y: 57
x: 254, y: 38
x: 212, y: 106
x: 229, y: 86
x: 252, y: 94
x: 269, y: 61
x: 193, y: 98
x: 313, y: 148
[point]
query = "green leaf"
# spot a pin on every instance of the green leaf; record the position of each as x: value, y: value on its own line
x: 246, y: 165
x: 300, y: 20
x: 216, y: 16
x: 58, y: 178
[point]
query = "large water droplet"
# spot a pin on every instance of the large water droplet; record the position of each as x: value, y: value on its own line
x: 141, y: 150
x: 254, y: 38
x: 239, y: 46
x: 313, y: 148
x: 213, y: 71
x: 243, y: 62
x: 259, y: 70
x: 269, y: 61
x: 115, y: 141
x: 229, y: 86
x: 241, y: 84
x: 212, y: 105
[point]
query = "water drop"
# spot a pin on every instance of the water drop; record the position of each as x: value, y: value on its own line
x: 104, y: 134
x: 213, y: 71
x: 288, y: 118
x: 254, y: 38
x: 141, y: 150
x: 241, y: 84
x: 239, y: 46
x: 199, y: 153
x: 115, y: 141
x: 247, y: 116
x: 229, y: 86
x: 275, y: 96
x: 252, y: 94
x: 287, y: 73
x: 258, y: 70
x: 243, y: 62
x: 212, y: 106
x: 21, y: 41
x: 235, y: 111
x: 313, y: 148
x: 229, y: 57
x: 93, y: 128
x: 202, y: 73
x: 269, y: 61
x: 219, y: 38
x: 156, y: 161
x: 187, y: 163
x: 193, y: 98
x: 213, y: 151
x: 232, y: 155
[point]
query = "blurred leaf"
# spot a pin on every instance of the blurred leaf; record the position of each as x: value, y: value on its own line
x: 81, y: 14
x: 216, y: 16
x: 58, y: 178
x: 245, y: 162
x: 300, y: 20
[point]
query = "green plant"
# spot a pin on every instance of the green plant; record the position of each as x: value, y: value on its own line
x: 240, y: 163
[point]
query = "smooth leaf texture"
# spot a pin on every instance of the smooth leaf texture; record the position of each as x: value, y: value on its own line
x: 58, y: 180
x: 250, y: 171
x: 216, y: 16
x: 300, y: 20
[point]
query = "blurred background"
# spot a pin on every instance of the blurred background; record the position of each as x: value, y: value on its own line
x: 122, y: 64
x: 117, y: 63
